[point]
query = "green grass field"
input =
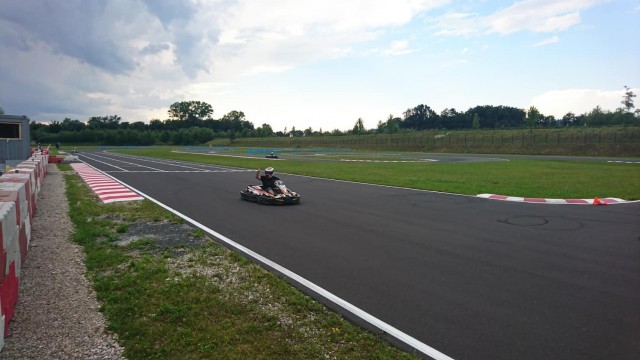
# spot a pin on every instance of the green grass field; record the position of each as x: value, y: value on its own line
x: 516, y: 177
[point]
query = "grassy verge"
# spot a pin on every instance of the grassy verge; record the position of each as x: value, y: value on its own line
x: 517, y: 177
x: 204, y: 301
x: 603, y: 141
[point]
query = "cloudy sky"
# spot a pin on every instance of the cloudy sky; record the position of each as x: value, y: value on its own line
x: 319, y: 64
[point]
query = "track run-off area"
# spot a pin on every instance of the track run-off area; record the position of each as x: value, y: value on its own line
x: 452, y: 276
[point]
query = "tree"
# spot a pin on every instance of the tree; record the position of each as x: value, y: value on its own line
x: 55, y: 127
x: 627, y: 100
x: 532, y: 117
x: 547, y: 121
x: 1, y: 111
x: 358, y: 128
x: 493, y: 117
x: 72, y: 125
x: 265, y: 130
x: 156, y: 124
x: 476, y: 121
x: 391, y: 126
x: 138, y: 125
x: 420, y: 117
x: 596, y: 117
x: 190, y: 110
x: 104, y: 122
x: 569, y: 119
x: 451, y: 119
x: 295, y: 132
x: 235, y: 121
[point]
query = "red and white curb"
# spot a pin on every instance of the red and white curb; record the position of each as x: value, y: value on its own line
x: 595, y: 201
x: 107, y: 189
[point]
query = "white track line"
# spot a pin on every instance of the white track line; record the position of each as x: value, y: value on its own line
x: 126, y: 162
x: 153, y: 160
x: 102, y: 162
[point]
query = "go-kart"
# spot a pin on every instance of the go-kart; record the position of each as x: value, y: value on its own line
x: 281, y: 195
x: 272, y: 156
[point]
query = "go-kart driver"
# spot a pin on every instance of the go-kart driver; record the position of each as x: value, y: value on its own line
x: 268, y: 180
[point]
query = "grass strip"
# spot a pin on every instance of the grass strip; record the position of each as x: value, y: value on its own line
x: 201, y: 302
x: 516, y: 177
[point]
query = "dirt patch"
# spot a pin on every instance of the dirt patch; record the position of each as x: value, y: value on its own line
x: 163, y: 234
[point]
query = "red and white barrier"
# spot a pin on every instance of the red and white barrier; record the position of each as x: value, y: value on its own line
x: 16, y: 192
x: 11, y: 261
x: 28, y: 181
x: 18, y: 197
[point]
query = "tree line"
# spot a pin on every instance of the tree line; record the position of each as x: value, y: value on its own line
x: 191, y: 123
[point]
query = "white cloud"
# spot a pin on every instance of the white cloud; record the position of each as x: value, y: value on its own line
x: 538, y: 16
x: 399, y: 48
x: 542, y: 16
x: 458, y: 24
x: 256, y: 37
x: 293, y: 18
x: 547, y: 41
x: 577, y: 101
x: 267, y: 69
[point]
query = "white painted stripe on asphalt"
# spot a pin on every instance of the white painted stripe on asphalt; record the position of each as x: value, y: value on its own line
x: 102, y: 181
x: 556, y: 201
x: 234, y: 156
x: 102, y: 162
x: 370, y: 319
x: 198, y: 168
x: 129, y: 163
x: 153, y: 160
x: 391, y: 161
x: 114, y: 191
x: 108, y: 201
x: 180, y: 171
x: 109, y: 187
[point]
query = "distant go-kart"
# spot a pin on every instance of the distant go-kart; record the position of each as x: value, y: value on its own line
x: 281, y: 195
x: 272, y: 156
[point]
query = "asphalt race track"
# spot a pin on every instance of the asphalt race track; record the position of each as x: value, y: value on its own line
x: 470, y: 277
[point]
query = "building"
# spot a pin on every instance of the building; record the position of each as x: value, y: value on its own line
x: 15, y: 139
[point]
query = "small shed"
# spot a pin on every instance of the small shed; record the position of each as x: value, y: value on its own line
x: 15, y: 139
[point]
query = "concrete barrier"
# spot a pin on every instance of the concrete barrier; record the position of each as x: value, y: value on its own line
x: 2, y: 319
x: 11, y: 258
x: 28, y: 180
x: 16, y: 192
x: 18, y: 197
